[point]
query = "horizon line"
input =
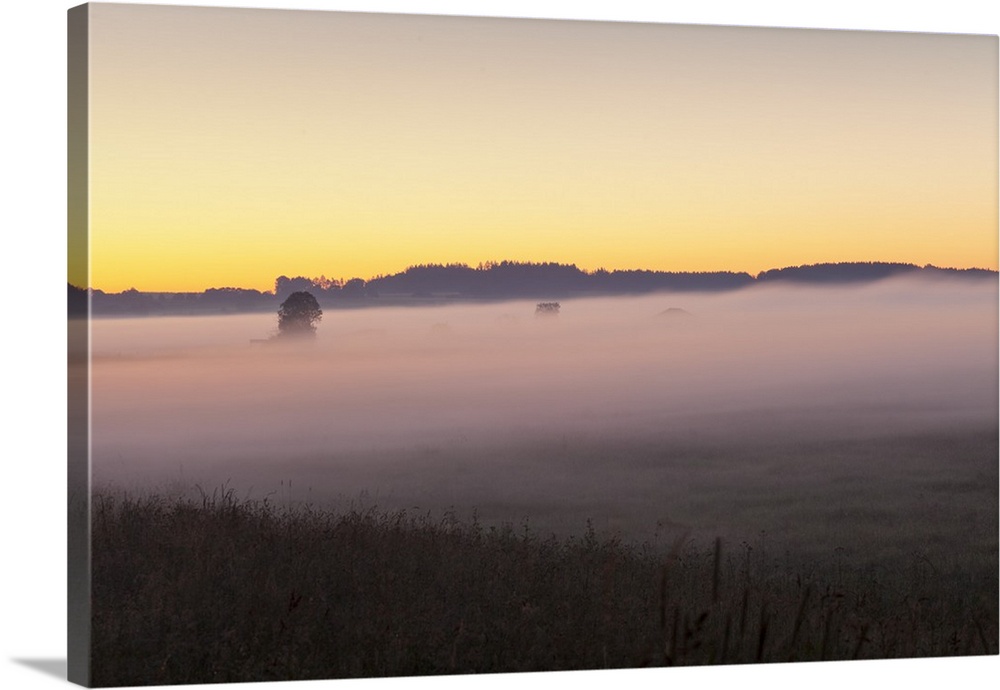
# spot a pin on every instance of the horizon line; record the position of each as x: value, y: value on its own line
x: 489, y: 265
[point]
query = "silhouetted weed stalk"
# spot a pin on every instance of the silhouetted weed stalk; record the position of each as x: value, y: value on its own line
x: 219, y: 589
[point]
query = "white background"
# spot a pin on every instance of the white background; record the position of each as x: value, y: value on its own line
x: 32, y: 327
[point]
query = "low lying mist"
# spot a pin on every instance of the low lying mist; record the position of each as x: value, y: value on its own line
x: 707, y: 412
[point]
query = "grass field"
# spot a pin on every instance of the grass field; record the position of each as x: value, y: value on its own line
x: 222, y: 589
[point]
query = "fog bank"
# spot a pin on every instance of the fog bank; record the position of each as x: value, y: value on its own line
x: 471, y: 403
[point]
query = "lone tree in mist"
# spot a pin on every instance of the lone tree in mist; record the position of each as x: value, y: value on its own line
x: 298, y: 315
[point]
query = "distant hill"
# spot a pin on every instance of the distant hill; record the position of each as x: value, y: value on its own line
x: 436, y: 283
x: 510, y: 279
x: 865, y: 272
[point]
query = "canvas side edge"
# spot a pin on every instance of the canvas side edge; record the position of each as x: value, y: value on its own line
x: 78, y: 649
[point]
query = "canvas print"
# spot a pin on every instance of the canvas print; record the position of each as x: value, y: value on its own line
x: 411, y: 345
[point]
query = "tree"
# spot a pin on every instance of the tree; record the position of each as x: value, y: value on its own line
x: 297, y: 315
x: 355, y: 287
x: 285, y: 286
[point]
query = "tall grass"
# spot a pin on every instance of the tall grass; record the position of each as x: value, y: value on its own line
x: 219, y: 589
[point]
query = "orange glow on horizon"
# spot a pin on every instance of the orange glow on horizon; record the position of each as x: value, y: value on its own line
x: 229, y: 147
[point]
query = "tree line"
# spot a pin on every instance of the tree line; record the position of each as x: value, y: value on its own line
x: 489, y: 281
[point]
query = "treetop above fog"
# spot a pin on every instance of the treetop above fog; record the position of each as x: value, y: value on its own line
x: 298, y: 315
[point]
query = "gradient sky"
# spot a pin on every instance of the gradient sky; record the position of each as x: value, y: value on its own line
x: 231, y: 146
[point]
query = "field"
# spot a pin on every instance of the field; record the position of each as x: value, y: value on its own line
x: 219, y: 589
x: 771, y: 475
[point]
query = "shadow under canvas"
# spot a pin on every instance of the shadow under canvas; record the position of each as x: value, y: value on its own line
x: 50, y: 667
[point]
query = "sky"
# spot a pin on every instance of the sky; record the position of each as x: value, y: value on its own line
x: 230, y: 146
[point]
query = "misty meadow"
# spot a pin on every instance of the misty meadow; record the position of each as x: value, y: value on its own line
x: 770, y: 474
